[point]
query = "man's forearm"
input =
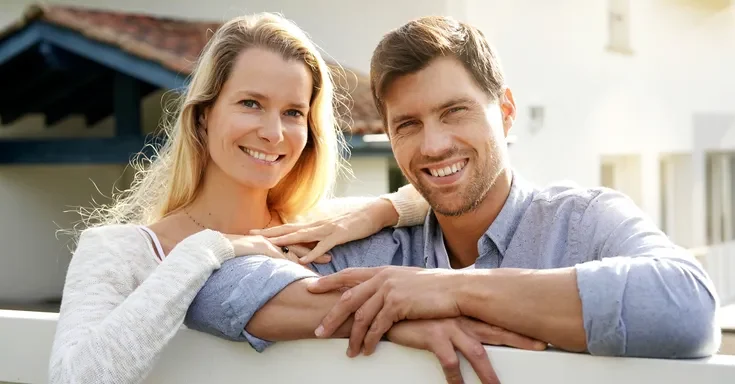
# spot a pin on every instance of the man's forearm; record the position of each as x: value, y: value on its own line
x: 294, y: 314
x: 542, y: 304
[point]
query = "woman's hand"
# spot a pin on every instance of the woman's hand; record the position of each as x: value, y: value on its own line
x: 444, y: 337
x: 328, y: 233
x: 246, y: 245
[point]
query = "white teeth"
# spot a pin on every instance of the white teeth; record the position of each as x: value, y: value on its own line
x: 261, y: 155
x: 448, y: 170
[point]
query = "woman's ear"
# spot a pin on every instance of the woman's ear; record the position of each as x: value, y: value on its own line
x: 202, y: 121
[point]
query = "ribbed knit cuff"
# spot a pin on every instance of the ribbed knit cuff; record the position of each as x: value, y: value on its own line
x: 412, y: 208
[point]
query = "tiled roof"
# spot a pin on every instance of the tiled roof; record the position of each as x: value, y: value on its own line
x: 175, y: 44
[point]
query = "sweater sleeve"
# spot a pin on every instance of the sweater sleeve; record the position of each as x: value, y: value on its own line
x: 411, y: 207
x: 111, y: 328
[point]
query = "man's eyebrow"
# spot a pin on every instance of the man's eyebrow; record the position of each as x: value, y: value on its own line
x: 401, y: 118
x: 452, y: 102
x: 457, y: 100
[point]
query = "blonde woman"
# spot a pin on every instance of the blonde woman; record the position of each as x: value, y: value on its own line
x: 254, y: 145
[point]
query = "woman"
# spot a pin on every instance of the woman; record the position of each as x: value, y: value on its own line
x: 254, y: 145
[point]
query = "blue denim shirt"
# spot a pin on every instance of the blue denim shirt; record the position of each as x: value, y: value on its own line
x: 641, y: 294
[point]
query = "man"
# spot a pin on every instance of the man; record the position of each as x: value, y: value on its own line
x: 581, y: 269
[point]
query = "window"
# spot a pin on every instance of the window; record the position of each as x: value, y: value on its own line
x: 395, y: 176
x: 619, y: 26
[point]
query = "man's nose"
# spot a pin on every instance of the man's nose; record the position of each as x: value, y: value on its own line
x: 272, y: 128
x: 437, y: 140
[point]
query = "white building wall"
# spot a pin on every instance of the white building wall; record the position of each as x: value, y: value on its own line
x: 33, y: 201
x: 599, y: 102
x: 370, y: 177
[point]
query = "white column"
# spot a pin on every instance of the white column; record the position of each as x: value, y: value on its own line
x: 668, y: 194
x: 699, y: 198
x: 650, y: 181
x: 726, y: 200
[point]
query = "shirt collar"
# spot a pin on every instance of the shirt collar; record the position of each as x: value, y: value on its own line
x: 500, y: 232
x: 504, y: 226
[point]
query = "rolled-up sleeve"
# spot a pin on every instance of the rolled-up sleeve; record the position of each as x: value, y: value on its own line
x: 235, y: 292
x: 642, y: 296
x: 242, y: 286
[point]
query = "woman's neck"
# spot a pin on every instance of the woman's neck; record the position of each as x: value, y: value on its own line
x: 228, y: 207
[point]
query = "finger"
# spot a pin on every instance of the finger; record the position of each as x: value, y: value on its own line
x: 348, y: 303
x: 321, y: 248
x: 448, y: 359
x: 278, y: 254
x: 305, y: 235
x: 290, y: 256
x: 301, y: 252
x: 362, y: 320
x: 323, y: 259
x: 298, y: 250
x: 280, y: 230
x: 349, y: 277
x: 476, y: 354
x: 382, y: 323
x: 493, y: 335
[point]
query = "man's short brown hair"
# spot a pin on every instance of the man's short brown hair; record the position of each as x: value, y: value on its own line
x: 413, y: 46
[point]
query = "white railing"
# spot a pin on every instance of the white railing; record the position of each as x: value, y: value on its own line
x: 193, y: 357
x: 719, y: 261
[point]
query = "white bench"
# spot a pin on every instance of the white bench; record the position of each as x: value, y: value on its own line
x: 193, y: 357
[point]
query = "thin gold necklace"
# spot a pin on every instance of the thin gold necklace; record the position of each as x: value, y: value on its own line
x: 203, y: 227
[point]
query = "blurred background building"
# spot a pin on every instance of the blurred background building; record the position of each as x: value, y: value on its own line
x: 634, y: 95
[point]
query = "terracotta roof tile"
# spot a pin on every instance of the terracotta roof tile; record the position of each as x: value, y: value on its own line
x: 176, y: 43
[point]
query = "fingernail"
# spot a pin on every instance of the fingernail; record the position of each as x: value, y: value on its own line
x: 319, y: 331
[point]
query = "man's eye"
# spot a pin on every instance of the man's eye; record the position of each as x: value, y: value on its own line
x: 406, y: 124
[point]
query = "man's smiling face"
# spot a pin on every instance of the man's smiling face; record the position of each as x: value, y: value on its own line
x: 447, y: 134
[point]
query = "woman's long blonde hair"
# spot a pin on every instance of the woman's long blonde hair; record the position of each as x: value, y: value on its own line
x: 172, y: 179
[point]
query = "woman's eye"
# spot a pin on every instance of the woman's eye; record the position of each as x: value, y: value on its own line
x: 294, y: 113
x: 250, y: 104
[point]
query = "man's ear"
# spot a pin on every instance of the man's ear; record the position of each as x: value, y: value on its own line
x: 508, y: 107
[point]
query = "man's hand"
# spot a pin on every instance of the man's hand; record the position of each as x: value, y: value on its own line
x: 382, y: 296
x: 445, y: 336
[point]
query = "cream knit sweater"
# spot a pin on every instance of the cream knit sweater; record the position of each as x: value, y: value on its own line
x: 121, y: 306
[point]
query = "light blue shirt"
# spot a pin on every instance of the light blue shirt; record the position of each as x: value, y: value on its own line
x: 641, y: 294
